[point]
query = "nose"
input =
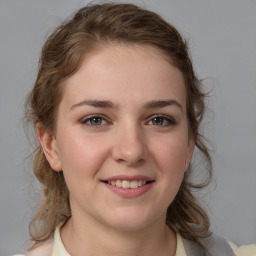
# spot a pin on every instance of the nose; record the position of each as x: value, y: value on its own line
x: 130, y: 146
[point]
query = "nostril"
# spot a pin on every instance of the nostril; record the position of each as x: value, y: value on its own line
x: 131, y: 152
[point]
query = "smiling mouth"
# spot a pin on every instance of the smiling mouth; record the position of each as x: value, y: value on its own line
x: 127, y: 183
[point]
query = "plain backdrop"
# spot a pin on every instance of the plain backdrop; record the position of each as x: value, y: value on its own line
x: 222, y: 40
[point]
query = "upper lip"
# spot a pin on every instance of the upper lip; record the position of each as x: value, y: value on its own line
x: 129, y: 177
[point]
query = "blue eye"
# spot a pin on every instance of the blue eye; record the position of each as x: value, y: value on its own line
x: 94, y: 121
x: 162, y: 121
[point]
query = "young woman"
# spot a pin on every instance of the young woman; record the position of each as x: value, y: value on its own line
x: 117, y: 108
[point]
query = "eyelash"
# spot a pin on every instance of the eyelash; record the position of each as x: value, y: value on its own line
x: 90, y: 118
x: 170, y: 121
x: 85, y: 121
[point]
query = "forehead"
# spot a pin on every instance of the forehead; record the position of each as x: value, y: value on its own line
x: 126, y: 73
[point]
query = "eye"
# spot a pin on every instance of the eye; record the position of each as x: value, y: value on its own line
x: 94, y: 120
x: 160, y: 120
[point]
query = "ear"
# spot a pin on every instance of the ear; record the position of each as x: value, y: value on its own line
x: 190, y: 151
x: 49, y: 146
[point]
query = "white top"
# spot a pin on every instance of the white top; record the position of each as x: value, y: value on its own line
x: 59, y: 249
x: 55, y: 247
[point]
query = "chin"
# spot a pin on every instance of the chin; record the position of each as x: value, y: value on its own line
x: 131, y: 221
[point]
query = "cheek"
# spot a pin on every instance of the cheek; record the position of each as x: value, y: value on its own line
x: 81, y: 156
x: 169, y: 157
x: 170, y: 154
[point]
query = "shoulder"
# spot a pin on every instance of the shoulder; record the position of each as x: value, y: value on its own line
x: 218, y: 246
x: 246, y: 250
x: 45, y: 249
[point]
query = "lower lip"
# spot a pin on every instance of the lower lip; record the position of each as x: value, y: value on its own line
x: 130, y: 192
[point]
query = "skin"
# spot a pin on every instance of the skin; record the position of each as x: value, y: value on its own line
x: 127, y: 138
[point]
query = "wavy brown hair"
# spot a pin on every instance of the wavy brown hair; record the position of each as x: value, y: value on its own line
x: 92, y: 28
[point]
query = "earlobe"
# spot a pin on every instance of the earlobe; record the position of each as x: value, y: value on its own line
x: 49, y: 145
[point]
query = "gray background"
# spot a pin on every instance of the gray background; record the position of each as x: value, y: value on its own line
x: 223, y: 45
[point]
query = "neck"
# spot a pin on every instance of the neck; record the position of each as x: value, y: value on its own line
x: 90, y: 238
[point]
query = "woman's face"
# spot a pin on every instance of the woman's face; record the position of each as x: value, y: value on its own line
x: 122, y: 137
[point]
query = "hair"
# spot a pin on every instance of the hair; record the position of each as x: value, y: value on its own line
x: 92, y: 28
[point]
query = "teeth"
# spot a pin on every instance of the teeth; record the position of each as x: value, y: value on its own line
x: 127, y: 183
x: 119, y: 183
x: 134, y: 184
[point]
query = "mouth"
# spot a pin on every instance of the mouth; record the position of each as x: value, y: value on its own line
x: 128, y: 184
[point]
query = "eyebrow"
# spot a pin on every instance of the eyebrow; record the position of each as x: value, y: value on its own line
x: 95, y: 103
x: 162, y: 104
x: 108, y: 104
